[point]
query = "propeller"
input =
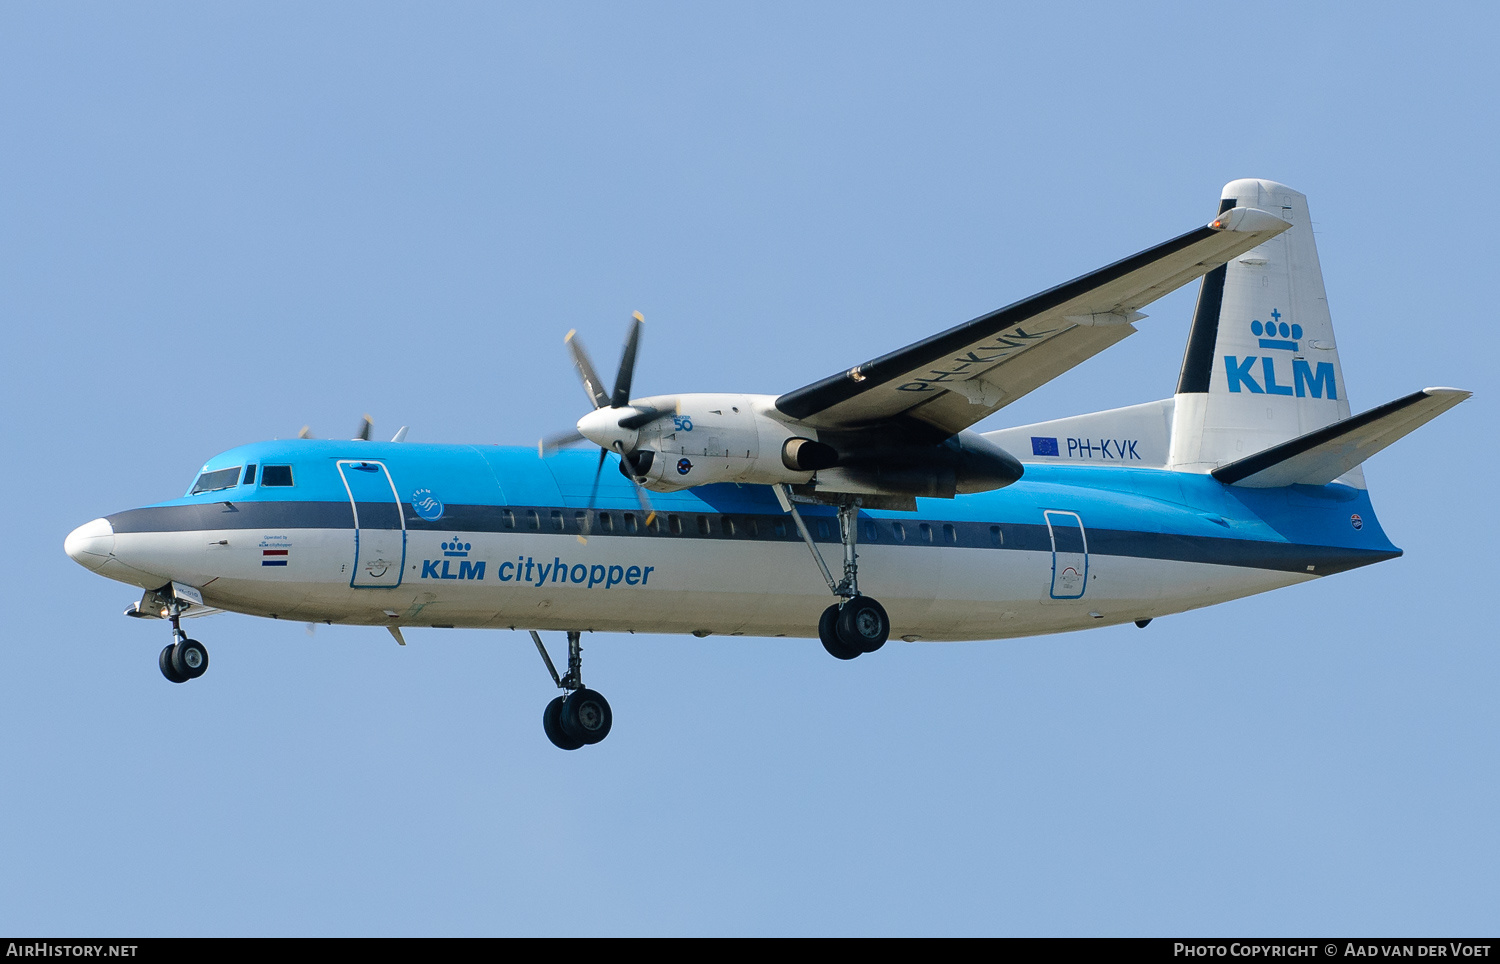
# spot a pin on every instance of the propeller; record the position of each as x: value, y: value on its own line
x: 614, y: 424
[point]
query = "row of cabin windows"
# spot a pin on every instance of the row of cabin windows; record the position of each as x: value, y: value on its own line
x: 272, y: 475
x: 753, y: 527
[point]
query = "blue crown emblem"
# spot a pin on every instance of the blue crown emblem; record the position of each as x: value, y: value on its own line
x: 457, y: 549
x: 426, y: 505
x: 1276, y: 333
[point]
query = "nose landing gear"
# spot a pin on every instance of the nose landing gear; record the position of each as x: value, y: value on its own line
x: 182, y: 659
x: 581, y: 716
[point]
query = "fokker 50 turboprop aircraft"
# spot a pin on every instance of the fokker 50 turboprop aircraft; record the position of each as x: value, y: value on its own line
x: 1247, y: 479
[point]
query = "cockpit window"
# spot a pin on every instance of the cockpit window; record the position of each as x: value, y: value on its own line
x: 249, y: 478
x: 217, y: 479
x: 276, y: 475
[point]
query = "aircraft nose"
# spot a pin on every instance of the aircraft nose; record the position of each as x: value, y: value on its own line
x: 91, y: 544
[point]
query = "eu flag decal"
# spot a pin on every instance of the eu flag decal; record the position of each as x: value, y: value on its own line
x: 1043, y: 446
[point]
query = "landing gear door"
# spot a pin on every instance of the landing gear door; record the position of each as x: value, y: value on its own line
x: 379, y: 525
x: 1070, y: 555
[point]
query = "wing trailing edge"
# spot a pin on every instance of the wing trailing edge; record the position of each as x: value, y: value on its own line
x: 956, y: 377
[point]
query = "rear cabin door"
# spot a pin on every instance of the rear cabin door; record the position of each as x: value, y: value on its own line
x: 1070, y: 555
x: 379, y: 525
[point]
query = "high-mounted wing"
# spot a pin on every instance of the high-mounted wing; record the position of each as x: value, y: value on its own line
x: 957, y: 377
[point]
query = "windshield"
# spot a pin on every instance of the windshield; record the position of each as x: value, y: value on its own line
x: 217, y: 479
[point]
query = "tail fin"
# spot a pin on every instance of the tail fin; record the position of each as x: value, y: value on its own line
x: 1261, y: 366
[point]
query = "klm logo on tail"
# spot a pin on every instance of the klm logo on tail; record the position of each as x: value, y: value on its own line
x: 1278, y: 335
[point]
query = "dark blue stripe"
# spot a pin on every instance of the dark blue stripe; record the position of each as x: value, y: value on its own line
x: 1217, y: 550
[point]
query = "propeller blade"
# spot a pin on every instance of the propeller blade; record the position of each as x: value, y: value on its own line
x: 592, y: 386
x: 364, y: 429
x: 588, y: 514
x: 645, y: 501
x: 551, y: 443
x: 627, y: 362
x: 645, y: 417
x: 306, y: 432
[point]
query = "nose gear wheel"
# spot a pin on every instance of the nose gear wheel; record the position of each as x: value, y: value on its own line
x: 182, y: 659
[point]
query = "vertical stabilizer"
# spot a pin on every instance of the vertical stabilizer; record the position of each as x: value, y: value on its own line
x: 1261, y: 366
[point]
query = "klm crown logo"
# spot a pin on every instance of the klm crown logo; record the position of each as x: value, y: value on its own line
x: 1269, y: 331
x: 1307, y: 380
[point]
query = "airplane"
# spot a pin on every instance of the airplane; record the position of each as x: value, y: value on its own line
x: 1248, y: 478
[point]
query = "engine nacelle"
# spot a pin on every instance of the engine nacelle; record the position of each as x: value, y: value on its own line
x: 966, y: 463
x: 743, y: 438
x: 726, y: 438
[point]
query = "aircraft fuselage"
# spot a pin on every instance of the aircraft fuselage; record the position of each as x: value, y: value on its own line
x: 413, y: 535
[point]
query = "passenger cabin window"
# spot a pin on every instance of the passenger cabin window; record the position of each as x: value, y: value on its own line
x: 533, y: 521
x: 703, y: 525
x: 557, y: 520
x: 950, y: 535
x: 898, y: 530
x: 728, y: 526
x: 871, y: 533
x: 997, y: 538
x: 249, y: 478
x: 674, y: 524
x: 216, y: 480
x: 926, y: 531
x: 276, y: 475
x: 630, y: 523
x: 508, y: 518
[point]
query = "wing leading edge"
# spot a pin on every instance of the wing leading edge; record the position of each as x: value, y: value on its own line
x: 955, y: 378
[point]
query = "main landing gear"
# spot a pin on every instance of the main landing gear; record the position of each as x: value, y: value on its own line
x: 183, y: 659
x: 581, y: 716
x: 856, y: 624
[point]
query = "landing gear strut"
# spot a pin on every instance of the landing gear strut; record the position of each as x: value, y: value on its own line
x: 183, y: 659
x: 581, y: 716
x: 856, y: 624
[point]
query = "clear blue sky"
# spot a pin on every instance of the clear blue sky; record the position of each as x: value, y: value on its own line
x: 220, y: 222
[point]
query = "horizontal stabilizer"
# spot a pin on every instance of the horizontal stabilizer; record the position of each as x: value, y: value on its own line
x: 1321, y: 456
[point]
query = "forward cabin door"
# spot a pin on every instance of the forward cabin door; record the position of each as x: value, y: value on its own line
x: 1070, y: 555
x: 379, y: 525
